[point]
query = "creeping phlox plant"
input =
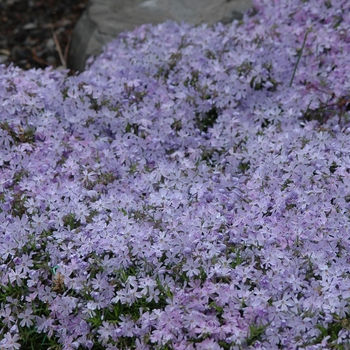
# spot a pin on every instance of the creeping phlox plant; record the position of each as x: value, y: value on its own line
x: 189, y: 190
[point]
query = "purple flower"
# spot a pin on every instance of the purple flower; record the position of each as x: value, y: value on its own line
x: 39, y: 223
x: 106, y: 331
x: 193, y: 176
x: 26, y: 317
x: 7, y: 317
x: 10, y: 341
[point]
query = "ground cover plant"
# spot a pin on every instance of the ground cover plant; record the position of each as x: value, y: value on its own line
x: 189, y: 190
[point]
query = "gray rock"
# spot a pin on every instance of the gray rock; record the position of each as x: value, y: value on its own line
x: 103, y: 20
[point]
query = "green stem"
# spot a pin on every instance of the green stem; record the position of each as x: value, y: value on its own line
x: 299, y: 55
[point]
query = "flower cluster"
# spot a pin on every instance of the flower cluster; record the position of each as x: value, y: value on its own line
x: 189, y: 190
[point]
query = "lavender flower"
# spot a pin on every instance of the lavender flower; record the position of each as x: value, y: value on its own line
x: 180, y: 193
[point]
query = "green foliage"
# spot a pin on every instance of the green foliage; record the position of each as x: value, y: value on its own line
x: 332, y: 331
x: 261, y: 85
x: 331, y: 108
x: 255, y: 333
x: 245, y: 68
x: 192, y: 81
x: 237, y: 253
x: 333, y: 167
x: 243, y: 167
x: 206, y: 121
x: 19, y: 134
x: 177, y: 125
x: 70, y: 221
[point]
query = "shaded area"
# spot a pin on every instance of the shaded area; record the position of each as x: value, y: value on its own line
x: 37, y: 33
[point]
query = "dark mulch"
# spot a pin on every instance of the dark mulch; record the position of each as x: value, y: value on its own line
x: 37, y: 33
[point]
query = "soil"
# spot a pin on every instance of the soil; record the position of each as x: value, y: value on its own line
x: 37, y: 33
